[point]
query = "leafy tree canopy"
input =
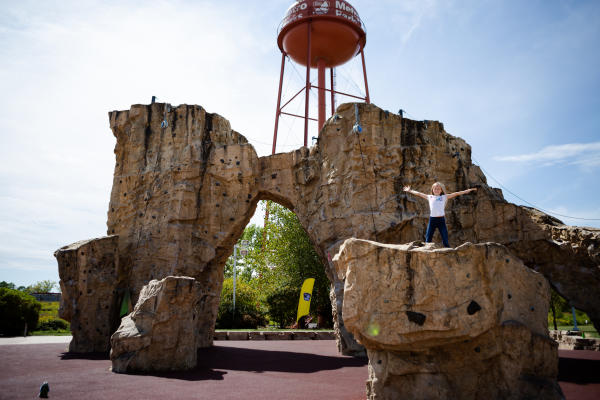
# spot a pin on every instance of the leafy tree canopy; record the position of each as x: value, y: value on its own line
x: 10, y: 285
x: 17, y: 310
x: 280, y: 257
x: 46, y: 286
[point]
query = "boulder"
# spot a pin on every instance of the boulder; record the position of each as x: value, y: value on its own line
x: 467, y: 323
x: 88, y: 273
x: 160, y: 334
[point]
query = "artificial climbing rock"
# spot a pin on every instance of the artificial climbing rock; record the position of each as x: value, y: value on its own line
x: 183, y: 194
x: 88, y: 281
x: 464, y: 323
x: 160, y: 334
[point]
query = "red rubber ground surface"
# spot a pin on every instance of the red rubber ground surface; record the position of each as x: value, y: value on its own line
x: 230, y: 370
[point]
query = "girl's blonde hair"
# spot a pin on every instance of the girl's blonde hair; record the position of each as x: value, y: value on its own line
x: 441, y: 185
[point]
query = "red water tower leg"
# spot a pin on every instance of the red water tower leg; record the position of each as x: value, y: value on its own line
x: 332, y: 92
x: 278, y: 111
x: 321, y: 83
x: 362, y: 55
x: 308, y: 58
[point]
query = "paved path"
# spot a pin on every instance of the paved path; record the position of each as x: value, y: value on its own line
x: 229, y: 370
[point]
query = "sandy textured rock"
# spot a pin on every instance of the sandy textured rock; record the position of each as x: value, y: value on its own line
x: 508, y: 362
x: 88, y: 282
x: 182, y: 196
x: 403, y: 297
x: 464, y: 323
x: 160, y: 334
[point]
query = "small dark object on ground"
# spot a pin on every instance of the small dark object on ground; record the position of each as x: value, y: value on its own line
x: 44, y: 389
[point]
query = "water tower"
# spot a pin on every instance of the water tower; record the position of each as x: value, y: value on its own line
x: 319, y: 34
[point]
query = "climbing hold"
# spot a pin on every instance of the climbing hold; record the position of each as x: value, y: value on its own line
x: 473, y: 307
x: 416, y: 317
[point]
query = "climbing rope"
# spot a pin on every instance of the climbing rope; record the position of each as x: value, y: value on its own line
x: 356, y: 129
x: 527, y: 202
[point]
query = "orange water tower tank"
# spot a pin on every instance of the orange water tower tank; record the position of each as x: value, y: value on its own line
x: 319, y: 34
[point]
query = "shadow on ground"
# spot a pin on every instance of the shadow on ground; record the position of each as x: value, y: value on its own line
x: 578, y: 371
x: 85, y: 356
x: 255, y: 360
x: 212, y: 361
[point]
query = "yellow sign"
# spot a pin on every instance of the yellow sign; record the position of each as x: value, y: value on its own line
x: 305, y: 296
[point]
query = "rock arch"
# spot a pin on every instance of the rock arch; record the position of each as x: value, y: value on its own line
x: 182, y: 195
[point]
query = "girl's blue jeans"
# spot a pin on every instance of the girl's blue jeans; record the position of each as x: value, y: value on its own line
x: 439, y: 223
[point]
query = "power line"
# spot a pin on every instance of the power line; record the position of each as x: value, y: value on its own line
x: 531, y: 204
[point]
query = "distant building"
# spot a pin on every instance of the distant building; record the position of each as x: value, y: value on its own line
x: 46, y: 296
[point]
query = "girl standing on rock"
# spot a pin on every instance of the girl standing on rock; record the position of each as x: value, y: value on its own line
x: 437, y: 203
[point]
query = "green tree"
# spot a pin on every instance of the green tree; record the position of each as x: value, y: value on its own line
x: 279, y: 265
x: 248, y: 267
x: 283, y: 303
x: 556, y: 303
x: 16, y: 310
x: 42, y: 287
x: 10, y: 285
x: 248, y: 312
x: 291, y: 258
x: 7, y: 285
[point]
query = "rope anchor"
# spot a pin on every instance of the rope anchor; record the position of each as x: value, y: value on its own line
x: 356, y: 128
x: 164, y: 124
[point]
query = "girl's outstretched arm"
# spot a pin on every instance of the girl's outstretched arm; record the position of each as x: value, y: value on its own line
x: 456, y: 194
x: 409, y: 190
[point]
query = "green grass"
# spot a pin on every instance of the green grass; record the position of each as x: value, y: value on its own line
x: 49, y: 312
x: 50, y: 333
x: 49, y: 309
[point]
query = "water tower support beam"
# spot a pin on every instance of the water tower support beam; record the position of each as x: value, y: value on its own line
x: 278, y: 111
x: 308, y: 62
x: 332, y: 92
x: 321, y: 83
x: 362, y: 56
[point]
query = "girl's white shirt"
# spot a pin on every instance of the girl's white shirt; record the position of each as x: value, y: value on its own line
x: 437, y: 204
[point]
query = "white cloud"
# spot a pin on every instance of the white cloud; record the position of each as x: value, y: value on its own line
x: 586, y: 155
x: 66, y: 64
x: 408, y: 16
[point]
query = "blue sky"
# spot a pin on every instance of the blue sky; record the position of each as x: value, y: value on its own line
x: 519, y: 80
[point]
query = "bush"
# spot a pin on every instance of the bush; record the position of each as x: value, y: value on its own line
x: 283, y: 305
x: 52, y: 324
x: 16, y: 310
x: 248, y: 311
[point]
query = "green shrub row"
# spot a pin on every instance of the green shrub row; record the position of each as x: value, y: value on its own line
x: 52, y: 324
x: 17, y: 310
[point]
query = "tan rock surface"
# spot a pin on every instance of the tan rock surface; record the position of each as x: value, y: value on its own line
x: 182, y: 196
x: 88, y: 282
x: 464, y: 323
x: 507, y: 362
x: 160, y: 334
